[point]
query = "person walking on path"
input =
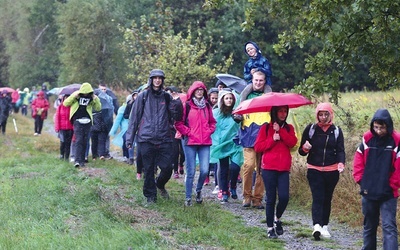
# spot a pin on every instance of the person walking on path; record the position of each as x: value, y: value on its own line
x: 256, y: 62
x: 196, y: 126
x: 323, y: 144
x: 5, y: 108
x: 223, y: 149
x: 64, y: 128
x: 274, y: 142
x: 82, y: 103
x: 250, y: 126
x: 40, y: 107
x: 376, y: 168
x: 151, y: 119
x: 121, y: 124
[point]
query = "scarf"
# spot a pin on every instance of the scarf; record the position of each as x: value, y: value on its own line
x: 199, y: 103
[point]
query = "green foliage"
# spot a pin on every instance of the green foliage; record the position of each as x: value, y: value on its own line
x: 152, y: 44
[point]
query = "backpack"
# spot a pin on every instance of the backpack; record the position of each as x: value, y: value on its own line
x: 312, y: 131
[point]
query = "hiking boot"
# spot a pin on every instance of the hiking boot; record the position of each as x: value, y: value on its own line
x: 216, y: 190
x: 77, y: 165
x: 324, y: 232
x: 199, y: 199
x: 246, y: 202
x: 176, y: 175
x: 317, y: 232
x: 206, y: 181
x: 234, y: 194
x: 272, y: 234
x: 180, y: 169
x: 258, y: 205
x: 164, y: 193
x: 188, y: 203
x: 278, y: 227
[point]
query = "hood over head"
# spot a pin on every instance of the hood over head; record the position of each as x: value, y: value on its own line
x: 86, y: 88
x: 154, y: 73
x: 221, y: 95
x: 255, y: 46
x: 195, y: 85
x: 382, y: 115
x: 219, y: 82
x: 324, y: 106
x: 40, y: 94
x: 213, y: 90
x: 26, y: 90
x: 274, y: 114
x: 172, y: 89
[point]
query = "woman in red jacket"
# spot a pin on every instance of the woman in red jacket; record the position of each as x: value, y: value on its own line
x: 39, y: 111
x: 64, y: 128
x: 274, y: 141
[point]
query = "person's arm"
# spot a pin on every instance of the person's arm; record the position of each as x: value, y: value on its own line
x: 304, y: 146
x: 263, y: 141
x: 71, y: 99
x: 96, y: 103
x: 134, y: 118
x: 288, y: 137
x: 358, y: 164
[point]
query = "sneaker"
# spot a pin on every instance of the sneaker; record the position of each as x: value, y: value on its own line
x: 216, y: 190
x: 188, y: 203
x: 219, y: 196
x: 130, y: 162
x: 324, y: 232
x: 102, y: 158
x: 199, y: 199
x: 86, y: 160
x: 181, y: 171
x: 272, y: 234
x: 164, y: 193
x: 234, y: 194
x: 35, y: 134
x: 72, y: 159
x: 258, y: 205
x: 151, y: 200
x: 317, y: 232
x: 61, y: 157
x: 224, y: 199
x: 278, y: 227
x: 138, y: 176
x: 176, y: 175
x: 76, y: 165
x: 206, y: 181
x: 246, y: 202
x: 239, y: 180
x: 211, y: 173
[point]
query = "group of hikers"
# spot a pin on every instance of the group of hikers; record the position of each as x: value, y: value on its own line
x: 200, y: 128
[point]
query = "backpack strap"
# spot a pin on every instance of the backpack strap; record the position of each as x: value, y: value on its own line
x: 312, y: 131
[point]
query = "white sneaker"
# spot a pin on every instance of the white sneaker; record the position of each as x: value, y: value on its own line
x: 317, y: 232
x: 324, y: 232
x: 216, y: 190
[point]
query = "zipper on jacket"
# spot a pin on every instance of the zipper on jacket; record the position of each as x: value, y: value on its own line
x: 326, y: 143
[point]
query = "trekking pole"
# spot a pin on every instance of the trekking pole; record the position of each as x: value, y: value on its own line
x: 15, y: 125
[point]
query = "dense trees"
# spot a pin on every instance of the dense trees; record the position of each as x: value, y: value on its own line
x: 315, y: 46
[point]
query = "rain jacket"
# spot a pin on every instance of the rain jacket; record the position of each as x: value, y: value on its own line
x: 251, y: 122
x: 222, y: 139
x: 259, y: 62
x: 276, y: 154
x: 197, y: 126
x: 327, y: 150
x: 72, y: 101
x: 61, y: 119
x: 376, y: 162
x: 40, y: 105
x: 122, y: 123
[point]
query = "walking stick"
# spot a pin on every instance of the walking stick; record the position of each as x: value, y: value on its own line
x: 15, y: 125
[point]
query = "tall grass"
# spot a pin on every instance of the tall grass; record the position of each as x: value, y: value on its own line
x: 353, y: 114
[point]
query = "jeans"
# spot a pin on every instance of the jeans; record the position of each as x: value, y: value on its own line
x: 203, y: 153
x: 275, y: 181
x: 229, y: 172
x: 322, y: 185
x: 155, y: 155
x: 81, y: 132
x: 372, y: 210
x: 98, y: 143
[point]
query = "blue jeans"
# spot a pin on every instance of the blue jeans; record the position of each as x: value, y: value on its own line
x: 191, y: 152
x: 387, y: 211
x: 275, y: 181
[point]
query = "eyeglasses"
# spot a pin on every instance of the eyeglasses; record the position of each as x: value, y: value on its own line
x: 199, y: 90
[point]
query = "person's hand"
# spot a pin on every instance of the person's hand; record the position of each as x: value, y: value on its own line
x: 128, y: 145
x: 276, y: 126
x: 276, y: 136
x: 252, y: 71
x: 340, y: 167
x: 307, y: 145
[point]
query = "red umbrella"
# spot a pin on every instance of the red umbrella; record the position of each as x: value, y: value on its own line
x: 8, y: 89
x: 69, y: 89
x: 265, y: 102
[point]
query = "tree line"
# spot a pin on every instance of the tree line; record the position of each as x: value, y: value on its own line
x: 313, y: 47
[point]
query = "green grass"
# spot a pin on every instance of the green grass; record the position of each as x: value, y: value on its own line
x: 46, y: 203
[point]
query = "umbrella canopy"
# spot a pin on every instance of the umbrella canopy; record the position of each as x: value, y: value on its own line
x: 69, y: 89
x: 232, y: 82
x: 265, y: 102
x: 54, y: 91
x: 8, y: 89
